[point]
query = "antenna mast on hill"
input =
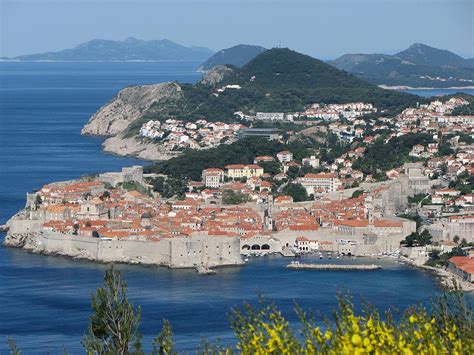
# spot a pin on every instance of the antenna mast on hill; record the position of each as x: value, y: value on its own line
x: 279, y: 43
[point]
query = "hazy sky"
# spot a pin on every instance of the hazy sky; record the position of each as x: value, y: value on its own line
x: 322, y: 28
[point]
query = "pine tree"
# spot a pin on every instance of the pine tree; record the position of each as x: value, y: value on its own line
x: 113, y: 327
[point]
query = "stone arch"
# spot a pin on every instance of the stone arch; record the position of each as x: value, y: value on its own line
x: 265, y: 247
x: 245, y: 247
x: 255, y: 247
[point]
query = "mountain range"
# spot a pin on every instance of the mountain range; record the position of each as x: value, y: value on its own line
x: 130, y: 49
x: 418, y: 65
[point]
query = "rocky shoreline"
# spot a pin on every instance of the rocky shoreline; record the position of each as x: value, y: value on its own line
x: 444, y: 278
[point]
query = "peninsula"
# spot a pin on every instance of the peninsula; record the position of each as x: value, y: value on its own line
x: 273, y: 157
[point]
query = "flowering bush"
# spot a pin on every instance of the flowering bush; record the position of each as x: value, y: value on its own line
x: 447, y: 328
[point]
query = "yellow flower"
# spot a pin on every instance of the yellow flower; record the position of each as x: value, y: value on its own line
x: 356, y: 339
x: 366, y: 342
x: 327, y: 335
x: 412, y: 319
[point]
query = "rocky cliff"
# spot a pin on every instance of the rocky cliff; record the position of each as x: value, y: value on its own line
x: 129, y: 104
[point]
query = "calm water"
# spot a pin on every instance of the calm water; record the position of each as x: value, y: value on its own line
x: 46, y: 301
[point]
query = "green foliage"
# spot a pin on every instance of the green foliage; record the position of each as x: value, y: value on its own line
x: 467, y: 110
x: 417, y: 198
x: 283, y: 81
x: 231, y: 197
x: 416, y: 239
x: 38, y: 201
x: 169, y: 187
x: 297, y: 191
x: 382, y: 156
x: 134, y: 186
x: 438, y: 259
x: 444, y: 149
x: 113, y: 327
x: 464, y: 183
x: 163, y: 344
x: 448, y: 328
x: 192, y: 162
x: 414, y: 217
x: 271, y: 167
x: 357, y: 193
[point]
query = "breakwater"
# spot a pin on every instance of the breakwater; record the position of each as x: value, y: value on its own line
x: 347, y: 267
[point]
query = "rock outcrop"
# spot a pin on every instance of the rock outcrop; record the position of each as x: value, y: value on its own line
x: 216, y: 75
x: 136, y: 148
x: 129, y: 104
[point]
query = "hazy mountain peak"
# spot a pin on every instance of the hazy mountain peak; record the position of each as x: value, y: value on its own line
x: 238, y: 56
x: 130, y: 48
x: 423, y: 54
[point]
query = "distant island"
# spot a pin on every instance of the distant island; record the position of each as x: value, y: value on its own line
x: 130, y: 49
x: 417, y: 66
x: 238, y: 56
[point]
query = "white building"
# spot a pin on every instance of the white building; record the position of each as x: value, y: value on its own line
x: 213, y: 177
x: 320, y: 183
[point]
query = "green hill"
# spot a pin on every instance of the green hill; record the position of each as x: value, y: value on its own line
x: 276, y: 80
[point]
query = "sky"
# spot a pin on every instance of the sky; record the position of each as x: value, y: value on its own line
x: 324, y: 29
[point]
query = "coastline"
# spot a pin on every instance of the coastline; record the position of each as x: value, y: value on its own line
x: 444, y: 278
x: 406, y: 87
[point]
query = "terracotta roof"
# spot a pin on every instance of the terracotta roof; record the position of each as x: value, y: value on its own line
x: 320, y: 176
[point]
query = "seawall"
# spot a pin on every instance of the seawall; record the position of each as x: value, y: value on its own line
x: 179, y: 252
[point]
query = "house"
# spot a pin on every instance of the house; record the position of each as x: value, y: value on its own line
x: 447, y: 192
x: 417, y: 150
x: 93, y: 209
x: 237, y: 171
x: 285, y: 156
x: 263, y: 159
x: 462, y: 267
x: 213, y: 177
x: 322, y: 182
x: 283, y: 199
x: 311, y: 161
x: 57, y: 213
x: 304, y: 244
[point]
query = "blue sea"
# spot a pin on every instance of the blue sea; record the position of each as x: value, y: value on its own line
x: 45, y: 301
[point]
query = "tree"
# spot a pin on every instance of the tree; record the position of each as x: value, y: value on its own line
x: 297, y: 191
x: 163, y: 344
x: 416, y: 239
x: 113, y: 327
x: 456, y: 239
x: 231, y: 197
x: 357, y: 193
x: 38, y: 201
